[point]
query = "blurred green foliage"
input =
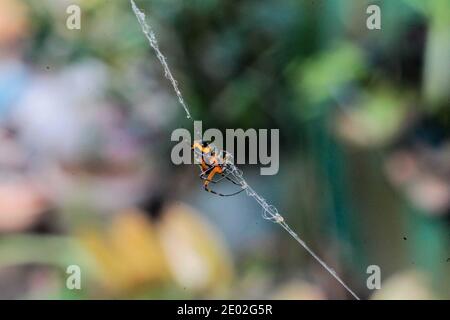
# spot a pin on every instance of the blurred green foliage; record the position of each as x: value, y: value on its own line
x: 345, y: 99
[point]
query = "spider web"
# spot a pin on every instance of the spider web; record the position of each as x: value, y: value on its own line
x: 269, y: 212
x: 150, y: 35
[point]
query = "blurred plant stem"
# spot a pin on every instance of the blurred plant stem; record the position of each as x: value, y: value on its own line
x: 58, y: 251
x: 336, y: 206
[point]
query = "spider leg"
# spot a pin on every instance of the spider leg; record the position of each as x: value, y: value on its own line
x: 221, y: 194
x: 231, y: 180
x: 203, y: 173
x: 218, y: 180
x: 227, y: 176
x: 204, y: 177
x: 224, y: 176
x: 210, y: 179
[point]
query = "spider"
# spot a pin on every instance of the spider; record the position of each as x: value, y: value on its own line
x: 213, y: 161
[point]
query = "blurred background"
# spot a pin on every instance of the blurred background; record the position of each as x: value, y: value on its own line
x: 86, y: 177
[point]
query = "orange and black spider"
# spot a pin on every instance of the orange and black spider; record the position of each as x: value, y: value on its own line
x: 213, y: 161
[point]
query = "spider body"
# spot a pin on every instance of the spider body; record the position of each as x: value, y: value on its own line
x: 212, y: 162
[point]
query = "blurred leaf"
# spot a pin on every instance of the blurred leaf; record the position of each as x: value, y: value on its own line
x: 437, y: 10
x: 54, y: 251
x: 197, y: 255
x: 376, y: 119
x: 322, y: 75
x: 406, y: 285
x: 129, y: 255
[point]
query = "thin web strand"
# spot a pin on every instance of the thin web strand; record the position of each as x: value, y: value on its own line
x: 269, y: 212
x: 150, y: 35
